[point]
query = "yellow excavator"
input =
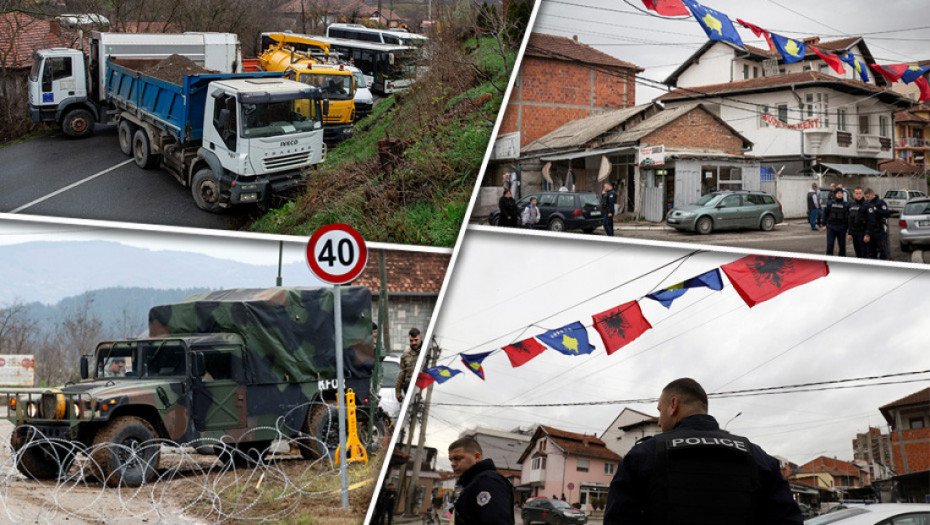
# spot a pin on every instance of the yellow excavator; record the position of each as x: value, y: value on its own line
x: 301, y: 59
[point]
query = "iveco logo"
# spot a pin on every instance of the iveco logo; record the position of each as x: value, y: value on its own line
x: 289, y: 143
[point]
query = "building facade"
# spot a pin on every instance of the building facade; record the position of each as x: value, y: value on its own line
x: 627, y: 428
x: 909, y: 422
x: 504, y: 448
x: 873, y: 446
x: 912, y: 136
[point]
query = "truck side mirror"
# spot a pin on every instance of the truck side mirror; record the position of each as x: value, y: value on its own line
x: 326, y: 107
x: 198, y: 364
x: 84, y: 367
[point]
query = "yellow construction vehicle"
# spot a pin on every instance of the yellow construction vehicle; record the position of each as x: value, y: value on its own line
x: 303, y: 61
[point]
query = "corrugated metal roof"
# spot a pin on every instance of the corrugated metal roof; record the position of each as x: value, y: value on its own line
x: 579, y: 132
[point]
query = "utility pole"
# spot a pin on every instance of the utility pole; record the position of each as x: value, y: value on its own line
x: 412, y: 415
x: 279, y: 281
x: 418, y: 459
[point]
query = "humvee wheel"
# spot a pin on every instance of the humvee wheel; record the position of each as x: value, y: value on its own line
x: 323, y: 424
x: 125, y: 452
x: 317, y: 416
x: 49, y: 460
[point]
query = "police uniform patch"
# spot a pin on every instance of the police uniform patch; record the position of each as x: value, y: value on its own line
x: 483, y: 498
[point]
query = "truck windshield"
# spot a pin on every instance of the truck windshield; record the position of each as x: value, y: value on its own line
x: 280, y: 118
x: 131, y: 359
x: 334, y: 87
x: 36, y: 66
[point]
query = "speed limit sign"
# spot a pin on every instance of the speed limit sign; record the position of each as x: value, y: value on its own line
x: 337, y: 253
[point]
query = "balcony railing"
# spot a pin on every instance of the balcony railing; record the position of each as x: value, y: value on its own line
x: 912, y: 143
x: 869, y: 143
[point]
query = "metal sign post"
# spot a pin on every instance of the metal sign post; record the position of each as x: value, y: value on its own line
x: 337, y: 254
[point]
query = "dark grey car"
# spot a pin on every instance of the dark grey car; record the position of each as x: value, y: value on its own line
x: 551, y: 511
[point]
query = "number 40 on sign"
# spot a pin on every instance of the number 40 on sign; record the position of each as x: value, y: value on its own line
x: 337, y: 254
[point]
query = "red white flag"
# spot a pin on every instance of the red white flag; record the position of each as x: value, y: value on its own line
x: 521, y: 352
x: 924, y: 89
x: 620, y: 326
x: 424, y: 380
x: 831, y: 59
x: 758, y: 278
x: 758, y: 31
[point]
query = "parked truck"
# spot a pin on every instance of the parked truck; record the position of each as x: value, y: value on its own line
x: 242, y: 367
x: 308, y: 66
x: 69, y: 88
x: 231, y: 137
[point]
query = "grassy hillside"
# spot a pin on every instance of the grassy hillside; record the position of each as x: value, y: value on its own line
x: 414, y: 187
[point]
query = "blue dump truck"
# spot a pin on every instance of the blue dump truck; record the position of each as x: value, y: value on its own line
x: 231, y: 137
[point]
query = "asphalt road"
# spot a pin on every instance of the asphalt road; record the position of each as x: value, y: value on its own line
x: 91, y: 179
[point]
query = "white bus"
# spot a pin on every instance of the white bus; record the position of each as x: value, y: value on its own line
x: 378, y: 36
x: 388, y: 68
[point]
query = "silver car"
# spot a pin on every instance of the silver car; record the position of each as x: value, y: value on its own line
x: 895, y: 199
x: 915, y: 223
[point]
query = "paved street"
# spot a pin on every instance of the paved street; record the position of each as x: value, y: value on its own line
x: 793, y: 235
x: 516, y: 516
x: 91, y: 179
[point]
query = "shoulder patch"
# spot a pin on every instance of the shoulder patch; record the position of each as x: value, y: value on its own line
x: 483, y: 498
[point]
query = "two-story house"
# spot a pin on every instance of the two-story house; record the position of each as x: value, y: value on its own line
x: 561, y: 463
x: 627, y: 428
x: 909, y: 421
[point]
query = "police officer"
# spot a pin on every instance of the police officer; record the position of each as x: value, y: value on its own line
x: 695, y: 473
x: 836, y: 218
x: 861, y: 222
x: 484, y: 496
x: 879, y: 244
x: 608, y: 202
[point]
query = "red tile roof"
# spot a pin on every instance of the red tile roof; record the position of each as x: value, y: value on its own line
x: 21, y: 35
x: 572, y: 443
x: 832, y: 466
x: 917, y: 398
x: 407, y: 272
x: 774, y: 82
x: 554, y: 47
x: 898, y: 166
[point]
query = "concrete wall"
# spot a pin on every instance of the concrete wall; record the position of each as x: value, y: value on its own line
x: 791, y: 190
x: 405, y: 312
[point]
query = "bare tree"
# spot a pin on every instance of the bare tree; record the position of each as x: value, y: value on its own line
x: 17, y: 330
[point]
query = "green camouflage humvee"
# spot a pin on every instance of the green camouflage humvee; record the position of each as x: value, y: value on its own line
x: 240, y: 366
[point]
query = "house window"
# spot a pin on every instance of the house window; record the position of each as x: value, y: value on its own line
x: 539, y: 463
x: 542, y: 444
x: 583, y: 464
x: 783, y: 112
x: 825, y: 111
x: 824, y: 68
x: 745, y: 71
x: 807, y: 67
x: 841, y: 119
x: 609, y: 469
x: 755, y: 71
x: 864, y: 125
x: 763, y: 110
x: 917, y: 422
x: 883, y: 126
x: 809, y: 106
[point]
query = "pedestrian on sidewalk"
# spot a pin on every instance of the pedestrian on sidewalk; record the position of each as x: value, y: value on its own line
x: 813, y: 207
x: 530, y: 216
x: 510, y: 214
x: 608, y: 205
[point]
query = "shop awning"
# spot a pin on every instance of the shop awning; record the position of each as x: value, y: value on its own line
x: 587, y: 153
x: 848, y: 169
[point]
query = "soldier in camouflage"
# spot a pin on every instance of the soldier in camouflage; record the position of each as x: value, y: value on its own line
x: 408, y: 363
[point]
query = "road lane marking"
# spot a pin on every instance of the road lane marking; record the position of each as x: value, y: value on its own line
x: 70, y: 186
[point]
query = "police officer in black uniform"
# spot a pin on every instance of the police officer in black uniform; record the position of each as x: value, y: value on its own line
x: 836, y: 219
x: 861, y: 222
x: 484, y: 496
x: 879, y: 245
x: 696, y: 474
x: 608, y: 203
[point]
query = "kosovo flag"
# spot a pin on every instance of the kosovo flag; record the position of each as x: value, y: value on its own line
x: 716, y: 24
x: 570, y: 340
x: 439, y: 374
x: 758, y: 278
x: 858, y: 66
x: 473, y: 362
x: 709, y: 279
x: 620, y: 326
x: 790, y: 50
x: 913, y: 73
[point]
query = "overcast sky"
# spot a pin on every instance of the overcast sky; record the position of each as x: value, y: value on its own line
x: 857, y: 321
x: 661, y: 44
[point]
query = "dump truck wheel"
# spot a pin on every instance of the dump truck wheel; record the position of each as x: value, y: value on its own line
x: 78, y: 123
x: 45, y: 461
x: 317, y: 416
x: 125, y: 452
x: 125, y: 132
x: 142, y: 150
x: 206, y: 191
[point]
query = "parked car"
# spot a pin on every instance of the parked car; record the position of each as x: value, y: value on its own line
x: 554, y: 511
x: 825, y: 195
x: 562, y: 210
x: 895, y: 199
x: 877, y: 514
x: 915, y: 224
x: 388, y: 402
x: 727, y: 210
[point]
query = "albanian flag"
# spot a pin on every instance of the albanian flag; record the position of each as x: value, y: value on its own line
x: 924, y: 87
x: 521, y: 352
x: 473, y: 363
x: 569, y: 340
x: 716, y: 24
x: 667, y: 7
x: 858, y: 66
x: 831, y: 59
x: 709, y: 279
x: 621, y: 325
x: 439, y: 374
x: 790, y: 50
x: 891, y: 72
x: 758, y: 278
x: 758, y: 31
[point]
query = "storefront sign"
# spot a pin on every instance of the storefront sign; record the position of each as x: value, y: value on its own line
x: 652, y: 156
x: 807, y: 124
x: 17, y: 370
